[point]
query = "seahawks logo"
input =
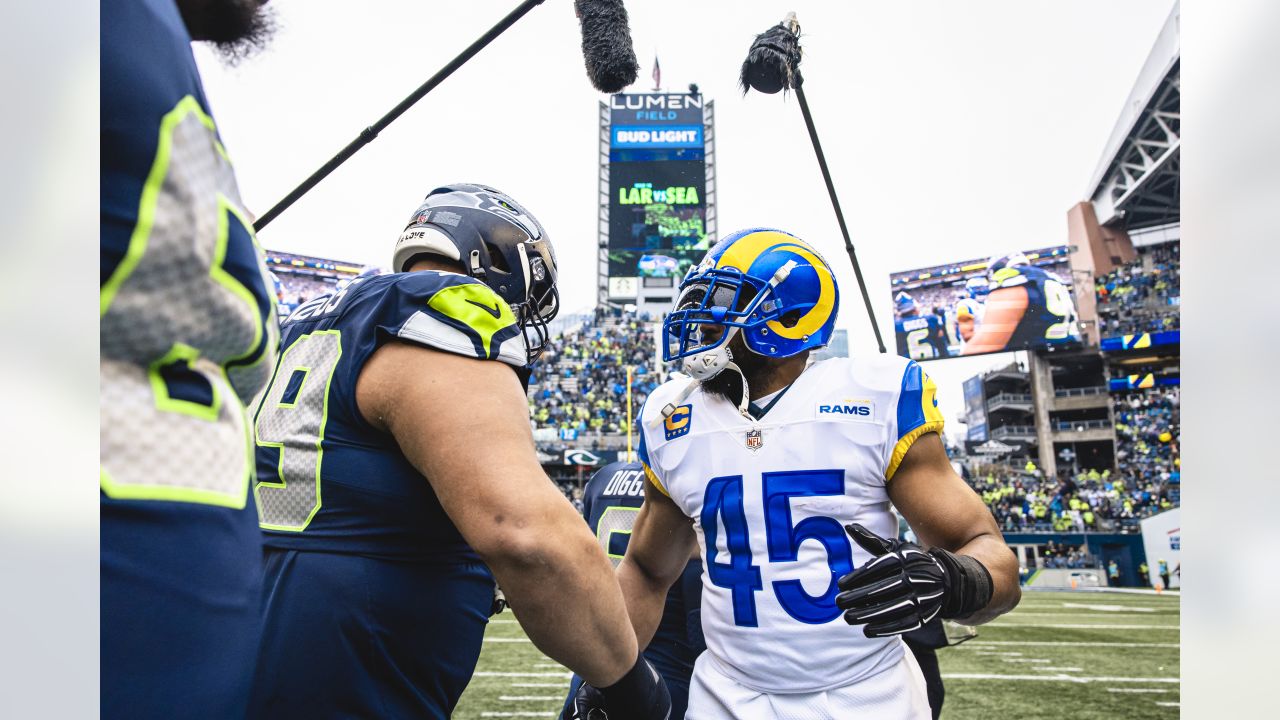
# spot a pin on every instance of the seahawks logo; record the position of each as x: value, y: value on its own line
x: 581, y: 457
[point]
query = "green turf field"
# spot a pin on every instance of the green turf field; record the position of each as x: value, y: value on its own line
x: 1075, y: 655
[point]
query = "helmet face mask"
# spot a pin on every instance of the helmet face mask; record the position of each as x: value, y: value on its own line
x: 767, y: 285
x: 497, y: 242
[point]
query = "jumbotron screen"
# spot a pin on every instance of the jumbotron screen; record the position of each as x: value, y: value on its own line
x: 657, y: 215
x: 1017, y: 301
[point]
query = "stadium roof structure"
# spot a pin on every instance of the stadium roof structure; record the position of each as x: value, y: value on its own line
x: 1136, y: 183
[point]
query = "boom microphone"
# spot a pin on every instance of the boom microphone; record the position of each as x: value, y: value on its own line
x: 606, y: 44
x: 773, y: 64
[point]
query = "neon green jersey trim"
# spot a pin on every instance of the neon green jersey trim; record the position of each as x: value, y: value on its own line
x: 123, y: 491
x: 150, y: 196
x: 324, y: 421
x: 604, y: 535
x: 181, y: 352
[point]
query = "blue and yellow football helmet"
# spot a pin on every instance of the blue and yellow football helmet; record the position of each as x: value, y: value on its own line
x: 769, y: 285
x: 977, y: 287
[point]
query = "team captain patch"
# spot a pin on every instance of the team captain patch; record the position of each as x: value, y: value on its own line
x: 677, y: 423
x: 847, y: 409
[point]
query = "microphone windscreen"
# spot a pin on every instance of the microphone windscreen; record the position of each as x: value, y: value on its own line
x: 606, y: 44
x: 773, y: 62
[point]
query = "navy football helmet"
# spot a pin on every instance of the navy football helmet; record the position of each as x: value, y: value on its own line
x: 497, y: 242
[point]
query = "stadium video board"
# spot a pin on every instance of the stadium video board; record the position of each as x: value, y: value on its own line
x: 657, y: 215
x: 1019, y: 301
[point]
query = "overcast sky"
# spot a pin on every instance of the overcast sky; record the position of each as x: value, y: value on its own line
x: 952, y: 129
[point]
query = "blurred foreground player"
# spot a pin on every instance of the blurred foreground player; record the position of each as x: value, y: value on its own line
x: 188, y: 336
x: 765, y: 464
x: 611, y: 500
x: 396, y: 469
x: 1025, y: 307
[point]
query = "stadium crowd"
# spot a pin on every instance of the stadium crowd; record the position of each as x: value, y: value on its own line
x: 1141, y: 296
x: 1023, y: 500
x: 579, y: 386
x: 295, y: 288
x: 936, y: 298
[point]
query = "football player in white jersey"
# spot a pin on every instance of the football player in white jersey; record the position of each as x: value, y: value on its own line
x: 770, y: 465
x: 968, y: 309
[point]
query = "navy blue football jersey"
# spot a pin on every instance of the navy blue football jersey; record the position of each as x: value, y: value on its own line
x: 188, y: 332
x: 1050, y: 318
x: 610, y: 502
x: 922, y: 337
x: 367, y: 578
x: 327, y: 479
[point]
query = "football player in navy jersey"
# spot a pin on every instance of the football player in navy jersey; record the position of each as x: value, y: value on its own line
x: 1027, y: 307
x: 611, y: 501
x: 920, y: 337
x: 397, y: 479
x: 188, y: 333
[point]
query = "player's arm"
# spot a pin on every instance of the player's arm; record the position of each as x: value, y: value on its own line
x: 662, y: 542
x: 945, y: 513
x: 554, y: 573
x: 1004, y: 310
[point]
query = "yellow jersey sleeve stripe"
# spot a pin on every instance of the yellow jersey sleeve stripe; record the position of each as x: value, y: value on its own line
x: 904, y: 444
x: 653, y: 478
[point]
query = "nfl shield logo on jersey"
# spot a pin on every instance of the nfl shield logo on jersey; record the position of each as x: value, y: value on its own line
x: 755, y: 439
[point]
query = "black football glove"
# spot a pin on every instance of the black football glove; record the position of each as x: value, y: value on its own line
x: 639, y: 695
x: 904, y: 586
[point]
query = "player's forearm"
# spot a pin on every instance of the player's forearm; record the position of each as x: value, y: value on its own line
x: 645, y: 595
x: 561, y: 588
x: 995, y: 556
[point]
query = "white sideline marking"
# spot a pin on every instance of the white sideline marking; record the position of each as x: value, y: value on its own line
x: 1107, y: 608
x: 975, y: 644
x: 1082, y: 626
x: 1026, y: 660
x: 507, y: 640
x: 1059, y: 669
x: 1169, y: 704
x: 541, y: 685
x: 1139, y: 690
x: 491, y: 673
x: 1066, y: 678
x: 1060, y: 614
x: 520, y: 713
x: 524, y: 698
x: 1010, y: 654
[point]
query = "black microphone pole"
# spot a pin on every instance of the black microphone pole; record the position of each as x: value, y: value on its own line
x: 835, y: 203
x: 368, y: 134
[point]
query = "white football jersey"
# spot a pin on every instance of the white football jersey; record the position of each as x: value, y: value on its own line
x: 769, y: 499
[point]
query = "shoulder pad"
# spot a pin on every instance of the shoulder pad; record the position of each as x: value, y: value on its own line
x: 458, y: 314
x: 1008, y: 277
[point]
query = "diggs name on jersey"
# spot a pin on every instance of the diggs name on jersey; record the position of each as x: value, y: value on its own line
x: 626, y: 482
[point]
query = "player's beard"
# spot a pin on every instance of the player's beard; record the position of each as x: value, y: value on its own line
x: 728, y: 384
x: 238, y: 29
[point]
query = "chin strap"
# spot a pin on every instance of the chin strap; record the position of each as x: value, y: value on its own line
x: 727, y: 363
x: 745, y: 402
